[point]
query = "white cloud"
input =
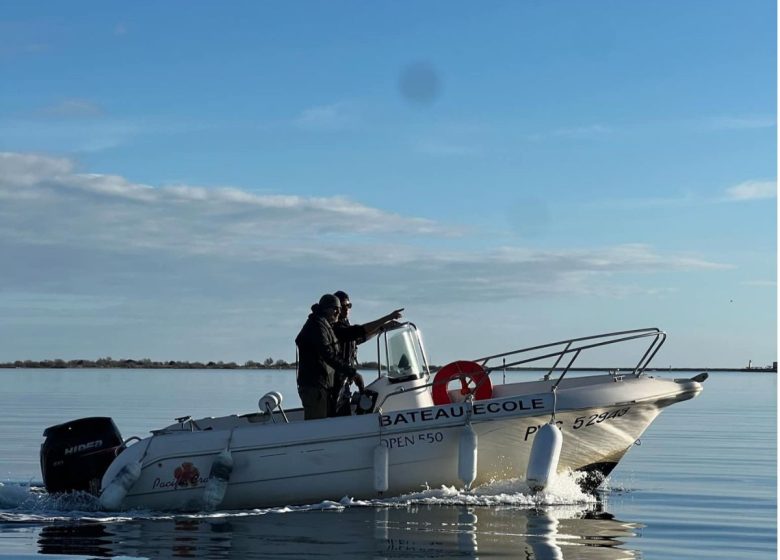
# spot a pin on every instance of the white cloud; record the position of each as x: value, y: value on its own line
x: 165, y: 266
x: 583, y: 132
x: 742, y: 122
x: 752, y: 190
x: 90, y: 209
x: 761, y: 283
x: 29, y: 170
x: 445, y: 149
x: 71, y: 134
x: 47, y: 202
x: 83, y: 126
x: 13, y: 51
x: 326, y: 117
x: 745, y: 191
x: 71, y: 108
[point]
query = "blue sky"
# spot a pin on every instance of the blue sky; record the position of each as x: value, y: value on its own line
x: 182, y: 180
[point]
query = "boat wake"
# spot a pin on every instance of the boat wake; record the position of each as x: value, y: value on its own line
x: 563, y: 490
x: 29, y: 503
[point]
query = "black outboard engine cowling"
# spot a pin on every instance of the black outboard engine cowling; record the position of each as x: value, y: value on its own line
x: 76, y: 454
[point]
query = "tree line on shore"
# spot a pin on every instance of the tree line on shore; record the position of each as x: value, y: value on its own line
x: 270, y: 363
x: 146, y: 363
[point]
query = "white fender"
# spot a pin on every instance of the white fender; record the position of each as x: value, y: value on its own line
x: 270, y: 401
x: 381, y: 468
x: 217, y: 484
x: 467, y: 456
x: 112, y: 496
x: 545, y: 453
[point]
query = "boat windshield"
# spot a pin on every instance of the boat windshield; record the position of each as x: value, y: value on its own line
x: 404, y: 354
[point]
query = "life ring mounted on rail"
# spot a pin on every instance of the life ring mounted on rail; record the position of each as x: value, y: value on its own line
x: 473, y: 380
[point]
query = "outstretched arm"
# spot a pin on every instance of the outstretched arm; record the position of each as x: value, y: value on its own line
x: 374, y: 326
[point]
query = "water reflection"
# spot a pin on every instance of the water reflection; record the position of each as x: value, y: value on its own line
x: 415, y: 531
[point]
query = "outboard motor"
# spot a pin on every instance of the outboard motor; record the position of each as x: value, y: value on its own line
x: 76, y: 454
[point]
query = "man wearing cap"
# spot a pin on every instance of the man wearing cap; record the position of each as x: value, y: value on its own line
x: 320, y: 359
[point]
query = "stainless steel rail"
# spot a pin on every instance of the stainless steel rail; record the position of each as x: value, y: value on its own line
x: 575, y: 346
x: 572, y: 347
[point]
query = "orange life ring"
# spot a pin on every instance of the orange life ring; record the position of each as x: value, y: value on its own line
x: 473, y: 379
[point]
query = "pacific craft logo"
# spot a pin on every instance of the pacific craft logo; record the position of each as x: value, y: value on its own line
x: 186, y: 475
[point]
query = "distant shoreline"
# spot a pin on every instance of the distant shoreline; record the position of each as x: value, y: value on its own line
x: 270, y: 364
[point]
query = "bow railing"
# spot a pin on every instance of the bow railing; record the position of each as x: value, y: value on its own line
x: 568, y: 351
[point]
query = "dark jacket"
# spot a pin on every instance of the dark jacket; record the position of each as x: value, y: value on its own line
x: 349, y: 336
x: 319, y: 355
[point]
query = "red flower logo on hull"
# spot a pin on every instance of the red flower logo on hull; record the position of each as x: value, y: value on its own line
x: 186, y: 475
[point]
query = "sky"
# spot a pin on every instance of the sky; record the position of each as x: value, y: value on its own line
x: 182, y: 180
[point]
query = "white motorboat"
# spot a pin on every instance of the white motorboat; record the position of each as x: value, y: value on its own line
x: 410, y: 429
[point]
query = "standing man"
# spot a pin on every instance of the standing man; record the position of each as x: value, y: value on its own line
x: 320, y: 361
x: 349, y: 336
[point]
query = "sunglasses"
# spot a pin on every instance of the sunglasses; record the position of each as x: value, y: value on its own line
x: 348, y: 305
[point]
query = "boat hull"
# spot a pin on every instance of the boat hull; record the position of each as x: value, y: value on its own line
x: 300, y: 462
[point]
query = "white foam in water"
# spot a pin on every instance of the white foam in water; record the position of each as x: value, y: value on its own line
x: 563, y: 490
x: 610, y: 486
x: 13, y: 495
x: 26, y: 503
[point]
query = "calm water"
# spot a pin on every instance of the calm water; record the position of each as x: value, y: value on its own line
x: 702, y: 484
